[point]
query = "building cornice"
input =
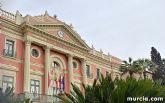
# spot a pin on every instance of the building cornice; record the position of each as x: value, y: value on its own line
x: 8, y: 67
x: 27, y: 27
x: 8, y: 24
x: 68, y: 30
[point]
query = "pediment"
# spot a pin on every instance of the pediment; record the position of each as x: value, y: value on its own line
x: 66, y: 33
x: 53, y: 26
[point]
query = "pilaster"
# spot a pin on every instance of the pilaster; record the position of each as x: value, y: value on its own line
x: 47, y: 67
x: 70, y: 64
x: 84, y: 76
x: 27, y: 66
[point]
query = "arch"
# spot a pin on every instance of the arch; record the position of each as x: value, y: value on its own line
x: 56, y: 74
x: 60, y: 60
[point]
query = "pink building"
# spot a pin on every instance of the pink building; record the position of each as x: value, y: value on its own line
x: 43, y: 55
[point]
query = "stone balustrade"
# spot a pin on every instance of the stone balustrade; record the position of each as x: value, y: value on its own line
x: 7, y: 15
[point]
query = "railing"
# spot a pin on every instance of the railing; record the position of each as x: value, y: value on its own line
x: 90, y: 76
x: 9, y: 53
x: 39, y: 98
x: 100, y: 54
x: 7, y: 15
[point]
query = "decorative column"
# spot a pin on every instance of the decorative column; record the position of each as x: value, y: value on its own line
x: 27, y: 66
x: 83, y: 61
x: 47, y: 67
x: 70, y: 64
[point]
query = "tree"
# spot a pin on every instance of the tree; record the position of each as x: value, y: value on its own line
x: 131, y: 67
x: 160, y: 72
x: 155, y: 57
x: 146, y: 65
x: 105, y: 90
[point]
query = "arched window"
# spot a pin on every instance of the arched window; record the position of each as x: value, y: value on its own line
x: 56, y: 65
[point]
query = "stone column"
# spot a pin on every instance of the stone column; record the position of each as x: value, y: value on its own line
x: 83, y: 61
x: 47, y: 67
x: 70, y: 64
x: 27, y: 66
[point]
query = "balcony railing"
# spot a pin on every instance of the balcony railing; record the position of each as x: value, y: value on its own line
x: 7, y: 15
x: 39, y: 98
x: 9, y: 53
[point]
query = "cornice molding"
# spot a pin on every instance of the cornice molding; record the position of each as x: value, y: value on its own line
x: 11, y: 59
x: 68, y: 30
x: 34, y: 72
x: 27, y: 27
x: 8, y: 67
x: 37, y: 65
x: 11, y: 25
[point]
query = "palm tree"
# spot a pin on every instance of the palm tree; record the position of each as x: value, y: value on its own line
x: 131, y: 67
x: 146, y: 65
x: 99, y: 92
x: 136, y: 88
x: 105, y: 90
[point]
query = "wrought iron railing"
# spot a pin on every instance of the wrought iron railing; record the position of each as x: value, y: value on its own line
x: 9, y: 53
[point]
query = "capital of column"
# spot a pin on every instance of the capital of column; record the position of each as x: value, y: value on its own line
x: 47, y: 47
x: 70, y: 55
x: 83, y: 60
x: 27, y: 42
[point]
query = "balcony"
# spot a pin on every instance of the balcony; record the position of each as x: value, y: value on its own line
x: 9, y: 53
x: 7, y: 15
x: 39, y: 98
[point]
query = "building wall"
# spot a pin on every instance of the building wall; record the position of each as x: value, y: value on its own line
x: 15, y: 66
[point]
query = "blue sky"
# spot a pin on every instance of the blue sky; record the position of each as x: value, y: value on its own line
x: 124, y: 28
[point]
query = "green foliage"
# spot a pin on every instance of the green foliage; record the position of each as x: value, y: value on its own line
x: 160, y: 72
x: 137, y: 66
x: 105, y: 90
x: 130, y: 67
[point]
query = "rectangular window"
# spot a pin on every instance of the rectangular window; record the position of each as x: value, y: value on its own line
x: 9, y: 48
x: 7, y: 81
x: 35, y: 86
x: 98, y: 73
x: 88, y: 70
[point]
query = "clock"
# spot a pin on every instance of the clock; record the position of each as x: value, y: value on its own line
x: 60, y: 34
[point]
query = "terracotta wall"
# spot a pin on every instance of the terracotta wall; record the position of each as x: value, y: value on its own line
x: 17, y: 61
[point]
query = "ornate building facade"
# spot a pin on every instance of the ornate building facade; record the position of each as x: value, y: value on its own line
x: 43, y: 55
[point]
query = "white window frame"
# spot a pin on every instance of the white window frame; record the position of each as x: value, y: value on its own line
x: 38, y: 52
x: 88, y: 76
x: 14, y: 40
x: 7, y: 71
x: 99, y: 73
x: 8, y: 82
